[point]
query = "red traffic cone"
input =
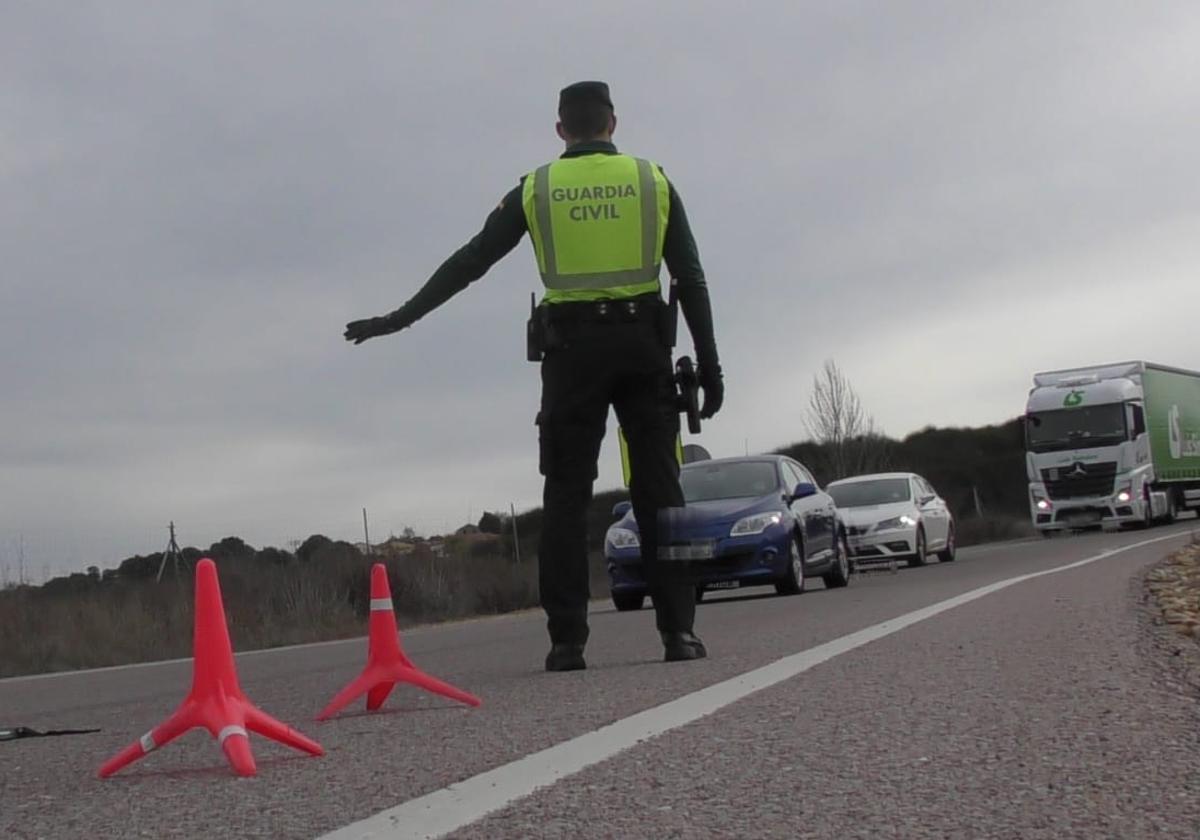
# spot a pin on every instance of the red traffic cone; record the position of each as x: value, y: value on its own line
x: 386, y: 662
x: 216, y: 701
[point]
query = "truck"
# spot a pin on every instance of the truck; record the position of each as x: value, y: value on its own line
x: 1112, y: 445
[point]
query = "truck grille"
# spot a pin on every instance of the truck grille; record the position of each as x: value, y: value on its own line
x: 1079, y: 480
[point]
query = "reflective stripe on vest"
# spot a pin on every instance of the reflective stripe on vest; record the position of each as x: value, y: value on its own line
x: 597, y: 223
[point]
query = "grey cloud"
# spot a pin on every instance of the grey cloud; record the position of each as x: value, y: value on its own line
x: 198, y: 196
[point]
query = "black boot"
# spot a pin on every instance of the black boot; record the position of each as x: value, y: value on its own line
x: 680, y: 647
x: 564, y: 656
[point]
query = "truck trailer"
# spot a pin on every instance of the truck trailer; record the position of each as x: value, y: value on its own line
x: 1113, y: 445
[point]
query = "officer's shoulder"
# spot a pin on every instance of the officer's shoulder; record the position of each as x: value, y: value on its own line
x: 658, y: 166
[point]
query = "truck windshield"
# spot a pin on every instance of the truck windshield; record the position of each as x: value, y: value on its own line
x: 1076, y: 428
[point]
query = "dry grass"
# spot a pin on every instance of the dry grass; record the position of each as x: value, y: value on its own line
x: 118, y: 621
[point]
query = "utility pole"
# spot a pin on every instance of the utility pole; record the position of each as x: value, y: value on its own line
x: 172, y: 554
x: 366, y: 534
x: 21, y: 560
x: 516, y: 536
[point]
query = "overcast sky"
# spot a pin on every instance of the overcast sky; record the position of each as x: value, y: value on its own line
x: 195, y: 198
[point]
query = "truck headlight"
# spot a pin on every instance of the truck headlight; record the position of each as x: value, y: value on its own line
x: 755, y: 524
x: 1125, y: 493
x: 1042, y: 504
x: 623, y: 538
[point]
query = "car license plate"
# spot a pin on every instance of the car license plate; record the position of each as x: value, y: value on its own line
x: 724, y: 584
x: 698, y: 550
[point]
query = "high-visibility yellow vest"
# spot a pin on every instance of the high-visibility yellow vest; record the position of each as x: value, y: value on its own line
x: 597, y: 223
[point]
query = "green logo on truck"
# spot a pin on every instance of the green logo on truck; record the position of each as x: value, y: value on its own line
x: 1073, y: 399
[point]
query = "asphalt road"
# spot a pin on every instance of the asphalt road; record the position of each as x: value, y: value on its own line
x: 1040, y: 709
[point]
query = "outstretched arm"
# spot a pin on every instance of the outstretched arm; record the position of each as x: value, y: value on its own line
x: 501, y: 232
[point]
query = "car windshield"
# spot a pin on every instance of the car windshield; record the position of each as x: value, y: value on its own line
x: 879, y: 491
x: 705, y: 482
x: 1076, y: 428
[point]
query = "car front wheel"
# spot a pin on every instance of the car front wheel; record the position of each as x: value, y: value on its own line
x: 839, y: 575
x: 793, y: 580
x: 920, y: 558
x: 947, y: 554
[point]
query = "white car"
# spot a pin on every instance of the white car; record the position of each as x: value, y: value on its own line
x: 894, y: 515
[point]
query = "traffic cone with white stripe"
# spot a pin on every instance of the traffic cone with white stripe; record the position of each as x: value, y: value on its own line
x: 216, y: 701
x: 386, y: 662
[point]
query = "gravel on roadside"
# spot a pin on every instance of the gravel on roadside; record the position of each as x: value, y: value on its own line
x: 1170, y: 613
x: 1175, y: 583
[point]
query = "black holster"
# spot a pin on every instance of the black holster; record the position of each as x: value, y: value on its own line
x: 535, y: 331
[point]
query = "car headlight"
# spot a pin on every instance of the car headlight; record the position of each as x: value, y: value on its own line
x: 903, y: 521
x: 623, y: 538
x: 755, y: 524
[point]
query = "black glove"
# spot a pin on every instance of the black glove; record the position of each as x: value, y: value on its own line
x: 360, y: 331
x: 713, y: 385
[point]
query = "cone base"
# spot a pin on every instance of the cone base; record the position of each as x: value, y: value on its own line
x: 216, y: 701
x: 377, y: 682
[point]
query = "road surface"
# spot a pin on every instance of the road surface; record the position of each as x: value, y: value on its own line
x: 955, y: 700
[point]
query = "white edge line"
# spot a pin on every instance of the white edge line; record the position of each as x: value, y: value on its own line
x: 442, y: 811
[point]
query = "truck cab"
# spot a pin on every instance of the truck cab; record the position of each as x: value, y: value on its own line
x: 1088, y: 451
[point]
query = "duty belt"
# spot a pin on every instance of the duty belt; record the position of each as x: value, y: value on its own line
x: 646, y: 309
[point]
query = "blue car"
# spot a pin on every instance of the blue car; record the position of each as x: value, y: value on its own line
x: 748, y: 522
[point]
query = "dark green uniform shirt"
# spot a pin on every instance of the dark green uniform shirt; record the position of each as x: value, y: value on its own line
x: 504, y: 229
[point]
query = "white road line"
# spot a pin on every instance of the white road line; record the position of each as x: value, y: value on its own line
x: 465, y: 802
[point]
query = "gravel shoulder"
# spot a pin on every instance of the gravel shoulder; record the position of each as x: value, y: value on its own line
x: 1168, y: 603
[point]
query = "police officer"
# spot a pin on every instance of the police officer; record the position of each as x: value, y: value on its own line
x: 601, y: 223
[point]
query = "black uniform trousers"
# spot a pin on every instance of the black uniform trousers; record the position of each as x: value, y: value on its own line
x: 591, y: 366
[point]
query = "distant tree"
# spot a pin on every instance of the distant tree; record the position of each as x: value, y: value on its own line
x: 845, y: 431
x: 960, y: 463
x: 274, y: 556
x: 408, y: 533
x: 133, y: 568
x: 490, y: 523
x: 190, y: 556
x: 231, y: 551
x: 321, y: 550
x: 309, y: 549
x: 73, y: 583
